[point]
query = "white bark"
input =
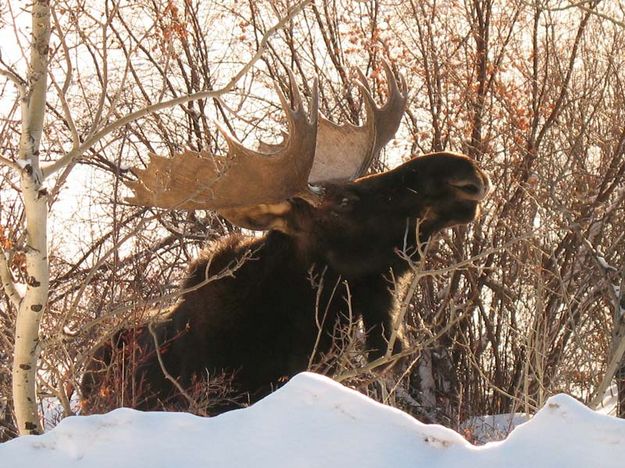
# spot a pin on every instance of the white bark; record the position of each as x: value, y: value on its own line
x: 32, y: 305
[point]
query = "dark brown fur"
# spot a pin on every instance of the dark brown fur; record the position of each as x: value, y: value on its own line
x: 261, y: 322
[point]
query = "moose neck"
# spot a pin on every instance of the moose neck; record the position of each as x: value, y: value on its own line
x: 356, y: 256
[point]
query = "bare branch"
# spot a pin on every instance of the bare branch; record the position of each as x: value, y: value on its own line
x: 7, y: 281
x: 62, y: 91
x: 21, y: 87
x: 77, y: 152
x: 7, y: 162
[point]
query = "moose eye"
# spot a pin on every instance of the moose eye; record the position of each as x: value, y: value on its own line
x: 345, y: 202
x: 470, y: 189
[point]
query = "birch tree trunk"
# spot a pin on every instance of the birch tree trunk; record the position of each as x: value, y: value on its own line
x: 32, y: 305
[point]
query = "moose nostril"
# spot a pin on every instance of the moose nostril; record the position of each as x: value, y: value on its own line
x: 470, y: 188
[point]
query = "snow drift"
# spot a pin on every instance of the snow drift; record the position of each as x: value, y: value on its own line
x: 315, y: 422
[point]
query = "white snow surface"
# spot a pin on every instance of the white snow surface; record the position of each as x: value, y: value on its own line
x: 315, y: 422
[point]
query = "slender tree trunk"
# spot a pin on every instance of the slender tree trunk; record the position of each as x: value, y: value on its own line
x: 32, y: 305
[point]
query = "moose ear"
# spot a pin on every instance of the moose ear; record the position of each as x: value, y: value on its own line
x: 282, y: 216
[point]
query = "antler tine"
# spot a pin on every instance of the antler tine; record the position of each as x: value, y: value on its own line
x: 297, y: 120
x: 346, y: 152
x: 314, y: 103
x: 296, y: 98
x: 388, y: 117
x: 245, y: 177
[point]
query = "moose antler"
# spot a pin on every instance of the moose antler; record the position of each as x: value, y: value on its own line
x: 313, y: 151
x: 192, y: 180
x: 346, y: 152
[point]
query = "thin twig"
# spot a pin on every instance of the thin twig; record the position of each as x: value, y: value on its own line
x: 168, y: 376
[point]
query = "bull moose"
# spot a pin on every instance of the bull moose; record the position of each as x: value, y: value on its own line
x: 264, y: 308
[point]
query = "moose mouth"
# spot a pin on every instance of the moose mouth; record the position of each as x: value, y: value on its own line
x: 458, y: 213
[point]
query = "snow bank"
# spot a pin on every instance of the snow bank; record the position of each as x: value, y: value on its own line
x: 315, y: 422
